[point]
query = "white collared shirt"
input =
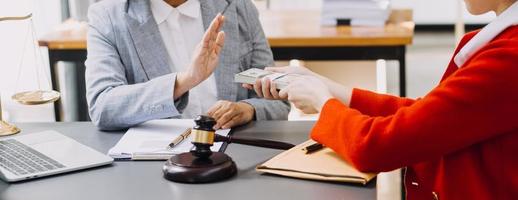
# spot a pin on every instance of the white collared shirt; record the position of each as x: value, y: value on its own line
x: 182, y: 29
x: 506, y: 19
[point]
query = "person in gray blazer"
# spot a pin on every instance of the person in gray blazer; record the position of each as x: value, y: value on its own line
x: 150, y: 59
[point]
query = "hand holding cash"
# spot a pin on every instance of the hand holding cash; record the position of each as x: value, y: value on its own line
x: 307, y: 90
x: 268, y: 82
x: 251, y: 75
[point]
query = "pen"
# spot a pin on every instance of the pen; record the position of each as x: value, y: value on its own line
x: 313, y: 148
x: 180, y: 138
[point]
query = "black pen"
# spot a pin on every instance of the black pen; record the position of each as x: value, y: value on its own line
x: 313, y: 148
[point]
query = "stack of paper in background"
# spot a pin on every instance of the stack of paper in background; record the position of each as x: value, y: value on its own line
x: 355, y: 12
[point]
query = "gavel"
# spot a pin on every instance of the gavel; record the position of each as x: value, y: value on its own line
x: 201, y: 165
x: 204, y: 136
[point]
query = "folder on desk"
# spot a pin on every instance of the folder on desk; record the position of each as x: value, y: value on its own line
x: 323, y: 165
x: 149, y: 140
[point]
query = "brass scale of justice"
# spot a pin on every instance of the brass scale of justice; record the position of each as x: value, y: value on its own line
x: 34, y: 97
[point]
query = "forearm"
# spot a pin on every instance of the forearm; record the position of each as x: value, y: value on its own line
x: 183, y: 83
x: 411, y: 133
x: 123, y: 106
x: 375, y: 104
x: 339, y: 91
x: 367, y: 102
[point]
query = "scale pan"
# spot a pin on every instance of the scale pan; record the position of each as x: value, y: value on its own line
x: 8, y: 129
x: 36, y: 97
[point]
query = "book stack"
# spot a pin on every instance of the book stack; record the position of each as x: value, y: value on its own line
x: 355, y: 12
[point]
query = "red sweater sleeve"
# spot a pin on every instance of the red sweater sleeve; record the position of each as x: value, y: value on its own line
x: 476, y: 103
x: 373, y: 104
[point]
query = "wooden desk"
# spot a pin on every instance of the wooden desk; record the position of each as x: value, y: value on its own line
x: 68, y: 43
x: 303, y: 29
x: 299, y: 35
x: 291, y: 34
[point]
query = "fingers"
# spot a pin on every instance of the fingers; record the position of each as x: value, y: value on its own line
x: 221, y: 111
x: 226, y: 119
x: 273, y: 91
x: 257, y: 88
x: 232, y: 122
x: 220, y: 41
x: 241, y: 113
x: 228, y: 114
x: 266, y: 88
x: 295, y: 83
x: 214, y: 26
x: 214, y: 108
x: 248, y: 86
x: 283, y: 94
x: 208, y: 33
x: 212, y: 32
x: 218, y: 109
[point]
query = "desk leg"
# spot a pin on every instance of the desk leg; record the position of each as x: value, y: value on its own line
x: 402, y: 71
x: 54, y: 76
x: 402, y: 93
x: 403, y: 188
x: 82, y: 106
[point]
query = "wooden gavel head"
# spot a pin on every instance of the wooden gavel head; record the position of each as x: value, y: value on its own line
x: 203, y: 135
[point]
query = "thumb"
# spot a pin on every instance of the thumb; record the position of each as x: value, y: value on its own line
x: 283, y: 94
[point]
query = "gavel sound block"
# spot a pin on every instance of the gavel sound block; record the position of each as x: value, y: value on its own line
x: 201, y: 165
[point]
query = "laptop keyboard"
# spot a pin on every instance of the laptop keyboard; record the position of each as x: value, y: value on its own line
x: 21, y: 159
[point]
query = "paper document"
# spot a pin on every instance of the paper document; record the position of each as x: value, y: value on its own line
x: 323, y: 165
x: 149, y: 140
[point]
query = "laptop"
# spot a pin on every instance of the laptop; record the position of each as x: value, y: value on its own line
x: 45, y: 153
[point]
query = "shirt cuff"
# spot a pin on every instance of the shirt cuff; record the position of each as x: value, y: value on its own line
x: 327, y: 120
x: 260, y: 111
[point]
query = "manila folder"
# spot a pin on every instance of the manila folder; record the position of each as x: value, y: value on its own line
x: 323, y: 165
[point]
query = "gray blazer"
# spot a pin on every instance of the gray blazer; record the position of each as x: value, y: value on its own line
x: 128, y: 74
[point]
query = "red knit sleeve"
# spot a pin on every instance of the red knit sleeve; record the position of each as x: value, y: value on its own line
x: 373, y: 104
x: 476, y: 103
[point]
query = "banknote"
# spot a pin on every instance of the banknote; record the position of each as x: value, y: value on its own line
x: 251, y: 75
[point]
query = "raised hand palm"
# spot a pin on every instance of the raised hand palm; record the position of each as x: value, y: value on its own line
x: 206, y: 55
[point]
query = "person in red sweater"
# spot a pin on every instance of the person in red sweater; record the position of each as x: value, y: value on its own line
x: 460, y: 141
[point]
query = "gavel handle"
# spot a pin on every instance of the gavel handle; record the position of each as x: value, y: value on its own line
x: 254, y: 142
